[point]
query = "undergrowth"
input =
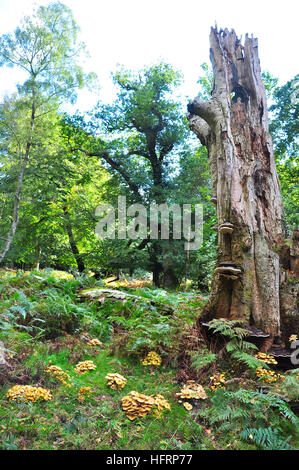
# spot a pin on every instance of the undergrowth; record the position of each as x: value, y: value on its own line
x: 43, y: 321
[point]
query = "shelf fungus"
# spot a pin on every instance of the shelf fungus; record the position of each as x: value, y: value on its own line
x: 226, y: 227
x: 214, y: 200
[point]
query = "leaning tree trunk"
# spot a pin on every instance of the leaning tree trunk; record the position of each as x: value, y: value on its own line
x: 233, y: 125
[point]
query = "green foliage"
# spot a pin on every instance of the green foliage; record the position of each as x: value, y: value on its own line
x: 64, y: 423
x: 142, y: 137
x: 290, y: 385
x: 143, y: 327
x: 284, y: 126
x: 16, y: 316
x: 230, y: 328
x: 246, y: 410
x: 241, y: 418
x: 238, y: 349
x: 285, y: 121
x: 46, y: 46
x: 202, y: 358
x: 205, y: 82
x: 270, y: 83
x: 59, y: 313
x: 54, y: 311
x: 266, y: 439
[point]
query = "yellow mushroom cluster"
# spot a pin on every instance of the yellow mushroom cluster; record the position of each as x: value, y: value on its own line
x: 192, y: 391
x: 94, y: 342
x: 83, y: 391
x: 116, y: 381
x: 152, y: 359
x: 268, y: 376
x: 218, y: 381
x: 85, y: 366
x: 161, y: 403
x: 293, y: 338
x: 57, y: 373
x: 28, y: 393
x: 137, y: 405
x: 266, y: 358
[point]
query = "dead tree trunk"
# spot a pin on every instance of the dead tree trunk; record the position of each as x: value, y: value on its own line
x: 233, y: 125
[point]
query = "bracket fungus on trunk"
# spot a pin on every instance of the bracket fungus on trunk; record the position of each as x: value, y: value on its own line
x: 227, y: 227
x: 233, y: 125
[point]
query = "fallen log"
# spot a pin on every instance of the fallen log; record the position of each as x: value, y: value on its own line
x: 100, y: 295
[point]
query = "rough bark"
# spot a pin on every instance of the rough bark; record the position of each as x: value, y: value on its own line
x: 154, y: 250
x: 170, y: 279
x: 233, y: 125
x: 289, y: 289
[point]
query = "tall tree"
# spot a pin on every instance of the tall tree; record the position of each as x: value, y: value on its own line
x: 233, y: 125
x: 46, y: 47
x: 145, y: 128
x: 284, y: 127
x: 60, y: 193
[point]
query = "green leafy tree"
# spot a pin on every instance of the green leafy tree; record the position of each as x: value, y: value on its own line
x: 284, y: 127
x: 141, y: 137
x: 46, y: 47
x: 61, y: 191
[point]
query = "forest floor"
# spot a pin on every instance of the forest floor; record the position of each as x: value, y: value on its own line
x: 225, y: 404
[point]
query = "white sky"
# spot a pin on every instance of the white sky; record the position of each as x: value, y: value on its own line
x: 135, y: 33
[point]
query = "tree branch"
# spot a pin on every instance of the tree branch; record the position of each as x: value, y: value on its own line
x: 115, y: 165
x: 209, y: 110
x: 200, y: 128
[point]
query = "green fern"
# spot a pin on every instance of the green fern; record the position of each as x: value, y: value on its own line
x: 248, y: 407
x: 230, y: 328
x: 250, y: 361
x: 238, y: 349
x: 202, y: 358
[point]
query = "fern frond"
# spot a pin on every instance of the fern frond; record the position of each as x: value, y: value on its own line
x: 266, y: 438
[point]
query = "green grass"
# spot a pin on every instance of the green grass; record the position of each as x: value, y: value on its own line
x: 99, y: 422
